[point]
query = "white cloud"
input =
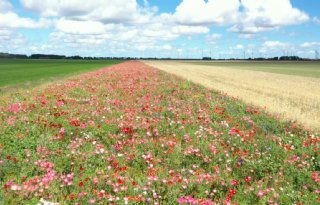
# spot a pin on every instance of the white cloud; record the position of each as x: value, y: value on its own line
x: 4, y: 33
x: 310, y: 44
x: 213, y: 38
x: 247, y: 16
x: 9, y: 19
x: 316, y: 20
x: 247, y: 35
x: 200, y: 12
x: 107, y: 27
x: 167, y: 47
x: 80, y: 27
x: 261, y: 15
x: 277, y: 48
x: 190, y: 30
x: 12, y: 20
x: 158, y: 31
x: 5, y: 5
x: 11, y: 41
x: 239, y: 47
x: 275, y: 44
x: 94, y: 10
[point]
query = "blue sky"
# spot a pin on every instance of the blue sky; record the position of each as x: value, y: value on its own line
x: 163, y: 28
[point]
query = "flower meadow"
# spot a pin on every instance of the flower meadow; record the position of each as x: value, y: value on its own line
x: 131, y: 134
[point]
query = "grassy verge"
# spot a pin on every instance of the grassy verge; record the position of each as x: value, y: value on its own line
x: 133, y: 134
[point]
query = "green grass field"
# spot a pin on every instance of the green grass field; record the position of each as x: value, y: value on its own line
x: 307, y: 69
x: 21, y: 72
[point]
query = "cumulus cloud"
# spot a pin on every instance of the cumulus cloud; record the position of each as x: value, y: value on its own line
x: 246, y: 16
x: 190, y: 30
x: 284, y: 48
x: 5, y: 5
x: 260, y: 15
x: 213, y: 38
x: 310, y: 44
x: 94, y: 10
x: 200, y: 12
x: 167, y: 47
x: 124, y: 26
x: 239, y: 47
x: 80, y: 27
x: 12, y: 41
x: 10, y: 19
x: 276, y: 44
x: 124, y: 20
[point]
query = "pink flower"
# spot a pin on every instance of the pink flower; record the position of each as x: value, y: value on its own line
x: 234, y: 131
x: 234, y: 182
x: 11, y: 120
x: 181, y: 200
x: 67, y: 179
x: 15, y: 108
x: 83, y: 126
x: 60, y: 103
x: 260, y: 194
x: 62, y: 131
x: 315, y: 177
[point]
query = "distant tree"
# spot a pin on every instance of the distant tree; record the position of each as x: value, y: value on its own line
x: 45, y: 56
x: 13, y: 56
x: 75, y: 57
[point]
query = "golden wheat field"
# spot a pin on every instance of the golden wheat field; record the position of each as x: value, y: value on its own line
x: 289, y: 97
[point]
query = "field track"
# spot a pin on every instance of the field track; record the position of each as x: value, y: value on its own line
x: 291, y: 97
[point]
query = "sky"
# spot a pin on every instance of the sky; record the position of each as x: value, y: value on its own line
x: 161, y: 28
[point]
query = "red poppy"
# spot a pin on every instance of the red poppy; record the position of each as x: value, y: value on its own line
x: 120, y: 181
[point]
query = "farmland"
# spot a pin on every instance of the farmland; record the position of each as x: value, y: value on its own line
x: 23, y: 72
x: 291, y: 97
x: 299, y: 68
x: 132, y: 134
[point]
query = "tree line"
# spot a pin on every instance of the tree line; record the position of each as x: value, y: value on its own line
x: 57, y: 57
x: 51, y: 56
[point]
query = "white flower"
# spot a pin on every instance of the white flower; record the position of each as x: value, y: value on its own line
x: 15, y: 187
x: 44, y: 202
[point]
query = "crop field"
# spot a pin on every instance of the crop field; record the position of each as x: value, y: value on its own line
x: 133, y: 134
x: 22, y: 72
x: 291, y: 97
x: 298, y: 68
